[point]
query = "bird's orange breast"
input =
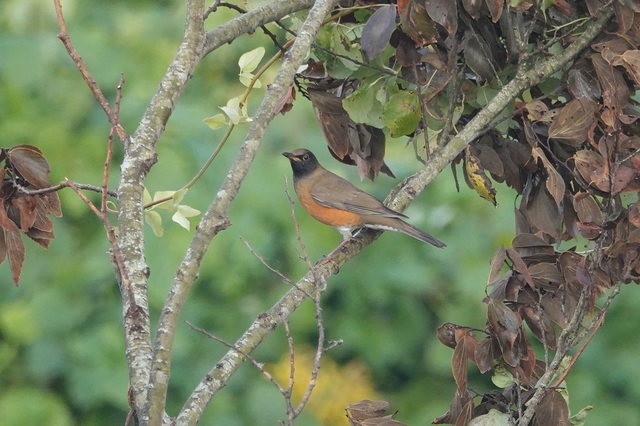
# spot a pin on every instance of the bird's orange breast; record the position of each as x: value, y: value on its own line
x: 327, y: 215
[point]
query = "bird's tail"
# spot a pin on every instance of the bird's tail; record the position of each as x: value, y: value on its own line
x: 410, y: 230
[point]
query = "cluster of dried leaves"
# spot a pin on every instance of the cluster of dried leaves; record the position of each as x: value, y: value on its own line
x: 25, y: 168
x: 569, y: 147
x: 572, y: 157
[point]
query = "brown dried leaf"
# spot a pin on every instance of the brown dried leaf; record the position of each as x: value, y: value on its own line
x: 582, y: 82
x: 615, y: 91
x: 506, y: 326
x: 29, y: 163
x: 552, y: 410
x: 630, y: 60
x: 546, y: 276
x: 445, y: 13
x: 15, y: 253
x: 593, y: 169
x: 366, y: 409
x: 416, y: 23
x: 542, y: 212
x: 446, y: 334
x: 26, y: 211
x: 497, y: 262
x: 573, y: 122
x: 495, y: 8
x: 3, y: 246
x: 456, y: 407
x: 554, y: 182
x: 520, y: 266
x: 487, y: 350
x: 472, y: 7
x: 459, y: 366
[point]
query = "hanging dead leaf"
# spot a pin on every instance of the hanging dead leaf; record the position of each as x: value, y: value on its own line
x: 573, y: 121
x: 476, y: 178
x: 445, y: 13
x: 554, y: 182
x: 29, y: 164
x: 15, y: 253
x: 506, y: 326
x: 593, y: 169
x: 495, y: 9
x: 552, y: 410
x: 416, y: 23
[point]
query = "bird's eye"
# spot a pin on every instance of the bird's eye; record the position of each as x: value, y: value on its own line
x: 305, y: 157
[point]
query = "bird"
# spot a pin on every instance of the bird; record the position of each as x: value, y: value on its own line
x: 334, y: 201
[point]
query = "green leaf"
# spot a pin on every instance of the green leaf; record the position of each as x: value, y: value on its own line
x: 363, y: 106
x: 236, y: 113
x: 501, y: 377
x: 245, y: 79
x: 168, y: 205
x: 155, y: 222
x: 249, y: 61
x: 181, y: 215
x: 216, y: 121
x: 579, y: 418
x: 402, y: 113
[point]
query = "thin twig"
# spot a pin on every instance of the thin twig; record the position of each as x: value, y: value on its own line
x: 86, y: 75
x: 258, y: 365
x: 65, y: 184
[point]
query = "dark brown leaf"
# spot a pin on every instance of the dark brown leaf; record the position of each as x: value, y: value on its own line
x: 445, y: 13
x: 519, y: 266
x: 15, y: 253
x: 582, y: 82
x: 26, y: 211
x: 497, y: 262
x: 487, y: 350
x: 30, y: 164
x: 552, y: 410
x: 472, y: 7
x: 446, y: 334
x: 3, y: 246
x: 573, y: 121
x: 459, y: 366
x: 377, y: 31
x: 554, y: 183
x: 416, y: 23
x: 495, y: 8
x: 506, y: 326
x: 456, y: 407
x: 593, y: 169
x: 546, y: 276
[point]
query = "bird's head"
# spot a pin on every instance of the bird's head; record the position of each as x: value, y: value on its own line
x: 302, y: 161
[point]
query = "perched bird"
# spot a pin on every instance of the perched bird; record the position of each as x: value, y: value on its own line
x: 334, y: 201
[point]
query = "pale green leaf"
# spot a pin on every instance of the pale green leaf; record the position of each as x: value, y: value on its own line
x: 501, y: 377
x: 249, y: 61
x: 492, y: 418
x: 179, y: 195
x: 155, y: 221
x: 579, y: 418
x: 216, y: 121
x: 245, y: 79
x: 181, y: 215
x: 146, y: 197
x: 168, y: 205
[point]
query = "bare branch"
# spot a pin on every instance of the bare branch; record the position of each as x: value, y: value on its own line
x: 86, y: 75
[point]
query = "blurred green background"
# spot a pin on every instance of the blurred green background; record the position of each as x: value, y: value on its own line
x: 61, y: 345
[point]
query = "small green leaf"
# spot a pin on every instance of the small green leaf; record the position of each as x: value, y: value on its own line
x: 181, y: 215
x: 146, y: 197
x: 363, y: 107
x: 249, y: 61
x: 501, y: 377
x: 165, y: 205
x: 236, y: 113
x: 245, y: 79
x: 579, y: 418
x: 155, y: 221
x: 179, y: 195
x: 216, y: 121
x: 402, y: 113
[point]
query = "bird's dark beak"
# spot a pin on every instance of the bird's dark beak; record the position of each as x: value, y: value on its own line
x: 290, y: 156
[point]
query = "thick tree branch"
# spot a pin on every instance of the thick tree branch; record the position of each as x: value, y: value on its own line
x: 250, y: 21
x: 215, y: 218
x: 140, y: 155
x: 399, y: 199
